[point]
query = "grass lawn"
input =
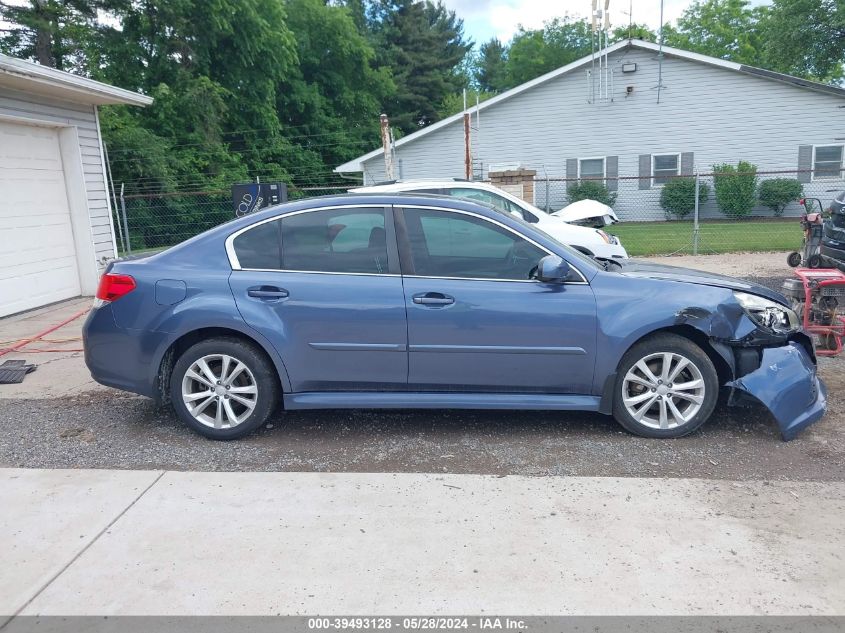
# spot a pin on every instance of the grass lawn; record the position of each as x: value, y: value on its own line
x: 663, y: 238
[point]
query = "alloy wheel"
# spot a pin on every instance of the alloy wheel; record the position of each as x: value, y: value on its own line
x: 663, y: 390
x: 219, y: 391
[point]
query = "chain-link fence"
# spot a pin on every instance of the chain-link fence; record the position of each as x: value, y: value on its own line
x: 658, y: 215
x: 147, y: 222
x: 735, y: 211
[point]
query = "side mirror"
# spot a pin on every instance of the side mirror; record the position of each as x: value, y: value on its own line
x: 552, y: 270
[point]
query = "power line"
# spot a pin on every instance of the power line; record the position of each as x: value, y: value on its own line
x: 282, y: 136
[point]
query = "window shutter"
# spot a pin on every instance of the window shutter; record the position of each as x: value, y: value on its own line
x: 645, y: 171
x: 571, y: 171
x: 687, y: 164
x: 611, y: 170
x: 805, y: 163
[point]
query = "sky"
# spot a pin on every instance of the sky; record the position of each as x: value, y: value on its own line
x: 484, y: 19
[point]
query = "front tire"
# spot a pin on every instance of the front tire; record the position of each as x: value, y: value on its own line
x: 666, y: 386
x: 224, y: 388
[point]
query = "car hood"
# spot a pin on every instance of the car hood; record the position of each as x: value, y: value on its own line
x: 586, y: 210
x: 640, y: 268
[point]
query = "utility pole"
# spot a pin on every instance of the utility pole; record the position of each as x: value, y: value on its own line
x: 467, y: 143
x: 385, y: 143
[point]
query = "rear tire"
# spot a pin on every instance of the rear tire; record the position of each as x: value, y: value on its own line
x: 224, y: 388
x: 794, y: 259
x: 666, y: 386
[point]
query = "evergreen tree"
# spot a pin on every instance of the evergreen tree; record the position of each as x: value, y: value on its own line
x: 423, y: 44
x: 491, y: 66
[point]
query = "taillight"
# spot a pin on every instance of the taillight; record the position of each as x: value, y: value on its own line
x: 113, y: 287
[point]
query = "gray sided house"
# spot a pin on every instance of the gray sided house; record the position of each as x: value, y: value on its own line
x: 56, y: 228
x: 634, y: 135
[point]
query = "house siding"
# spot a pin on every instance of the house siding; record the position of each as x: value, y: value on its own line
x: 717, y: 114
x: 83, y: 117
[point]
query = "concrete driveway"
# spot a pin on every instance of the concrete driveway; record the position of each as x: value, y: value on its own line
x: 176, y: 543
x: 61, y: 366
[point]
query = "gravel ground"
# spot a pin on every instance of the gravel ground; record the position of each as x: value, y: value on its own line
x: 101, y: 430
x: 107, y: 429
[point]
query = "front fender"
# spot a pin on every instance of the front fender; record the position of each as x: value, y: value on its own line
x: 629, y: 312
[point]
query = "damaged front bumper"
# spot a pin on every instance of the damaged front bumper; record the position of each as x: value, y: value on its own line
x: 786, y: 383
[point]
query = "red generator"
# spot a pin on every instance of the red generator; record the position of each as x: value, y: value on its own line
x: 816, y: 295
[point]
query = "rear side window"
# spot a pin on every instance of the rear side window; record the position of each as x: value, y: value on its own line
x: 335, y: 241
x: 260, y: 247
x: 331, y: 241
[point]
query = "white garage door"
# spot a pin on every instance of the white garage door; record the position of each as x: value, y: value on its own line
x: 38, y: 263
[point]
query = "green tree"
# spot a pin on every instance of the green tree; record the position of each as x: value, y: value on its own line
x: 454, y: 103
x: 335, y: 92
x: 590, y: 190
x: 535, y: 52
x: 807, y: 38
x: 777, y: 193
x: 53, y: 32
x: 423, y: 43
x: 634, y: 32
x: 728, y: 29
x: 736, y: 188
x: 491, y: 66
x: 677, y: 197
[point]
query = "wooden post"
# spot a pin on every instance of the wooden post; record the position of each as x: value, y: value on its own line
x: 467, y: 149
x: 385, y: 143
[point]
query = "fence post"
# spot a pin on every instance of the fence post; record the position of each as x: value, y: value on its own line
x: 110, y: 188
x: 125, y: 221
x: 548, y: 206
x: 695, y: 227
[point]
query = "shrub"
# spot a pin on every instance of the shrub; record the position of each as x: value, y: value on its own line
x: 736, y: 188
x: 779, y: 192
x: 591, y: 190
x: 678, y: 196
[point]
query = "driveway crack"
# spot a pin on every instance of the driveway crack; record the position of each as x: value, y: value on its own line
x: 96, y: 538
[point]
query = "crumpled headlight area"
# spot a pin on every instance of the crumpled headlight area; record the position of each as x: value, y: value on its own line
x: 607, y: 237
x: 768, y: 314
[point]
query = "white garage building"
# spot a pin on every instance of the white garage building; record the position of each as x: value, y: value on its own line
x: 56, y: 227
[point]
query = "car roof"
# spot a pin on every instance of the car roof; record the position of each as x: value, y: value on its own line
x: 370, y: 199
x: 441, y: 183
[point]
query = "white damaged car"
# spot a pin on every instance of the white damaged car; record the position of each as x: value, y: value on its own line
x: 589, y: 240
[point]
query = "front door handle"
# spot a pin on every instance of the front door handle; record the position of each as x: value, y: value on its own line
x: 267, y: 292
x: 433, y: 299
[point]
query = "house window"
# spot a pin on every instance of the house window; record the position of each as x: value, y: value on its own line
x: 827, y: 162
x: 664, y: 167
x: 591, y: 168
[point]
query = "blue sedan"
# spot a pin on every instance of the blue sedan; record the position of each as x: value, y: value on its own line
x: 414, y: 301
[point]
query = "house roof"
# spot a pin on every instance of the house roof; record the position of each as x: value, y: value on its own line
x: 356, y: 165
x: 35, y: 78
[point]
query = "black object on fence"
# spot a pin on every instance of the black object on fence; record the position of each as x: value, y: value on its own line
x: 252, y: 196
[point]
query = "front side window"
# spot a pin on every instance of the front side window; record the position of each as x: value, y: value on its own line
x: 664, y: 167
x: 827, y: 162
x: 591, y: 168
x: 448, y: 244
x: 334, y: 240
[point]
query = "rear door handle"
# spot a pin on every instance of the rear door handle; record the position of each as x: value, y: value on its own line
x: 267, y: 292
x: 433, y: 299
